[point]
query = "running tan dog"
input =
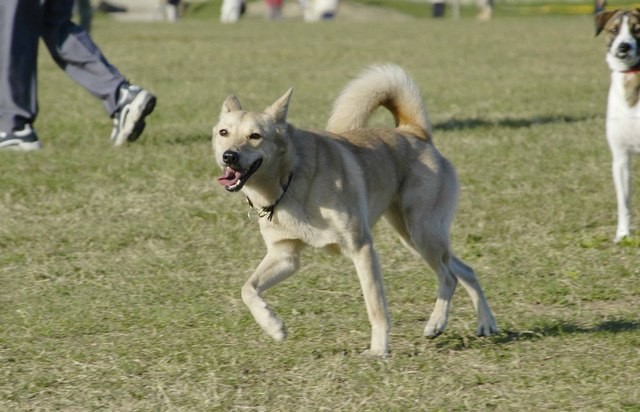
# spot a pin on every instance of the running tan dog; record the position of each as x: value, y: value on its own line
x: 622, y: 28
x: 327, y: 189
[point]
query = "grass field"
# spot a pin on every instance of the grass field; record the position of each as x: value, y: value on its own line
x: 120, y: 270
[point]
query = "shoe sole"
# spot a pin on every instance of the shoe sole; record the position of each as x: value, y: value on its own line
x: 20, y: 145
x: 134, y: 115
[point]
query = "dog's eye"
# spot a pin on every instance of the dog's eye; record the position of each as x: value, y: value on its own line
x: 255, y: 136
x: 223, y: 132
x: 613, y: 30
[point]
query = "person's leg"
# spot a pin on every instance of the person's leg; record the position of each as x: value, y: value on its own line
x: 85, y: 12
x: 19, y: 32
x: 75, y: 52
x: 20, y: 28
x: 172, y: 10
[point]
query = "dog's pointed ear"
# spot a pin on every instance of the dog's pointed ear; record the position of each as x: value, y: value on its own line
x: 231, y: 104
x: 602, y: 18
x: 280, y: 107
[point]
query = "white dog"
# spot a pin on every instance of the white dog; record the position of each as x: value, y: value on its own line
x: 622, y: 29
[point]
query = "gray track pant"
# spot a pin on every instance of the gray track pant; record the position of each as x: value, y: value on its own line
x: 22, y: 23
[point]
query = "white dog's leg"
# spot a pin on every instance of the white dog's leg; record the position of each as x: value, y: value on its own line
x: 279, y: 263
x: 466, y: 276
x: 370, y: 276
x: 622, y: 181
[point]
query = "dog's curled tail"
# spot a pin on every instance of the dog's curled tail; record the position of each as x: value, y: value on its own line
x: 385, y: 85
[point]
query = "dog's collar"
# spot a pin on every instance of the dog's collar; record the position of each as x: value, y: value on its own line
x: 268, y: 211
x: 634, y: 69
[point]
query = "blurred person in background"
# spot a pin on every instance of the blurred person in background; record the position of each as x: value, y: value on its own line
x: 599, y: 5
x: 274, y: 9
x: 486, y: 9
x: 438, y: 8
x: 172, y: 10
x: 315, y: 10
x: 231, y: 10
x: 22, y: 24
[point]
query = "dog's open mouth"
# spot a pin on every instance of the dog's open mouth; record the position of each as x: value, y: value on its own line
x: 234, y: 179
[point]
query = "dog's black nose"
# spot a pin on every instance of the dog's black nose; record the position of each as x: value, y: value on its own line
x: 230, y: 157
x: 624, y: 47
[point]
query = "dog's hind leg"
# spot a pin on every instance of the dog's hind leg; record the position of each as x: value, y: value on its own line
x: 281, y: 261
x: 467, y: 277
x: 438, y: 260
x: 433, y: 246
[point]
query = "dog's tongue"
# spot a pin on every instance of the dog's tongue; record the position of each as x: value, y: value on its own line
x: 230, y: 177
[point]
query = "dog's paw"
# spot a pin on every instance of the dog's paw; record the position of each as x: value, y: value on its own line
x: 275, y: 328
x: 486, y: 321
x: 487, y: 328
x: 435, y: 327
x: 371, y: 353
x: 620, y: 237
x: 279, y: 335
x: 269, y: 322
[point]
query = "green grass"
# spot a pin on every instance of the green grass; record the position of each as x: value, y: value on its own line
x: 120, y: 270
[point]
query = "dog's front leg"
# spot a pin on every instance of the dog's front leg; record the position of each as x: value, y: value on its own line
x: 622, y: 181
x: 281, y: 261
x: 371, y: 282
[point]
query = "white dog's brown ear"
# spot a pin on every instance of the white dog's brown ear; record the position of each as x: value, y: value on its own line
x: 280, y: 107
x: 602, y: 18
x: 231, y: 104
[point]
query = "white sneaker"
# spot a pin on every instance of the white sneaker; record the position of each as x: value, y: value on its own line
x: 24, y: 140
x: 134, y: 104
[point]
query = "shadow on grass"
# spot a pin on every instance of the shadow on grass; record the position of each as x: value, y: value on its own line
x: 567, y: 328
x: 509, y: 123
x: 448, y: 125
x: 459, y: 342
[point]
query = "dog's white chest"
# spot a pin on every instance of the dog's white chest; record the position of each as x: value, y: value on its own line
x: 623, y: 119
